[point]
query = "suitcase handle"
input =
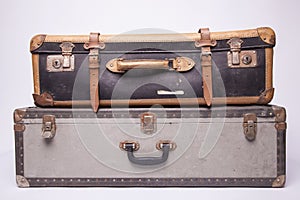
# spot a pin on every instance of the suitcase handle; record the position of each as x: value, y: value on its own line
x: 180, y: 64
x: 130, y: 147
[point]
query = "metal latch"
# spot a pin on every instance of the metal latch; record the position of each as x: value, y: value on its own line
x: 238, y: 58
x: 49, y: 127
x: 250, y: 126
x: 64, y: 62
x: 148, y: 123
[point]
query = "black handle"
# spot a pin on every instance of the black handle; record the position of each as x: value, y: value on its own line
x: 130, y: 147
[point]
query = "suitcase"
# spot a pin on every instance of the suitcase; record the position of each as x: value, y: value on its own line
x: 205, y: 68
x: 221, y: 146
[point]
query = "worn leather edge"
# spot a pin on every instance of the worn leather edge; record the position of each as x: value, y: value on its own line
x: 43, y: 100
x: 279, y: 182
x: 268, y: 94
x: 267, y: 35
x: 153, y: 37
x: 36, y: 74
x: 37, y: 41
x: 22, y: 182
x: 169, y: 102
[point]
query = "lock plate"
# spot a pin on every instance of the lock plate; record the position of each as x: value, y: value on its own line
x: 148, y: 123
x: 55, y: 63
x: 246, y: 59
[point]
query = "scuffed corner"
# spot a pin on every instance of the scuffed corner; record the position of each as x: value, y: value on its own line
x: 19, y: 114
x: 36, y: 42
x: 279, y: 182
x: 267, y: 35
x: 266, y: 96
x: 22, y: 182
x: 280, y: 114
x: 43, y: 100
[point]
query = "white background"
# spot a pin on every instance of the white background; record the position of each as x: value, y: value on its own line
x: 20, y: 20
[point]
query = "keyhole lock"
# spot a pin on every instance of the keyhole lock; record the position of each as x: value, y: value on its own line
x: 246, y: 59
x: 56, y: 64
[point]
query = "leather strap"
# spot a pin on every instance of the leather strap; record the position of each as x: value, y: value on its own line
x: 93, y: 45
x: 206, y: 63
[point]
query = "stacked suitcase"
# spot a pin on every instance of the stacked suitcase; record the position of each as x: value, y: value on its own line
x: 152, y: 110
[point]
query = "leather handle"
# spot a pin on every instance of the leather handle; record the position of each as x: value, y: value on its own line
x: 130, y: 147
x: 180, y: 64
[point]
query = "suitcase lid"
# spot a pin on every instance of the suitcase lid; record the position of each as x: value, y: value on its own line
x: 262, y: 37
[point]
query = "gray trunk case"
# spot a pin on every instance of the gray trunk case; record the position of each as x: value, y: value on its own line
x: 211, y: 147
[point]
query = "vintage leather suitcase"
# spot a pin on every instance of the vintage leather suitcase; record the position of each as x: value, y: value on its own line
x: 233, y: 67
x: 233, y: 146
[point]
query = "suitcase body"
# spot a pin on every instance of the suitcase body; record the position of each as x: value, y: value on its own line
x: 222, y: 146
x: 233, y: 67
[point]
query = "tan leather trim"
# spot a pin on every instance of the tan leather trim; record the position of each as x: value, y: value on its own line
x: 153, y: 37
x: 269, y: 67
x: 268, y: 94
x: 267, y: 35
x: 36, y: 42
x: 170, y: 102
x: 36, y: 74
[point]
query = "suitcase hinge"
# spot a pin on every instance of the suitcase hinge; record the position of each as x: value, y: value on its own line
x: 148, y: 123
x: 49, y: 127
x: 250, y: 126
x: 238, y: 58
x: 64, y: 62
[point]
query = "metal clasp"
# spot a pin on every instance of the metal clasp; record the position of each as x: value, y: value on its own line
x: 66, y: 48
x: 237, y: 58
x: 250, y: 126
x: 235, y: 47
x: 64, y: 62
x: 148, y: 123
x: 49, y: 127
